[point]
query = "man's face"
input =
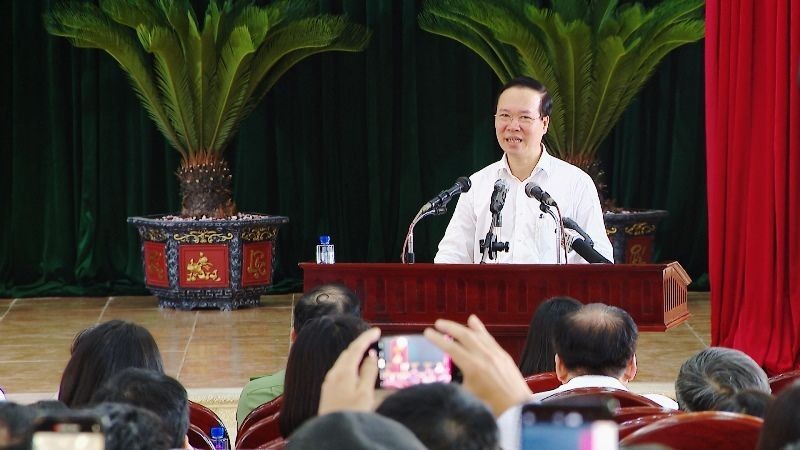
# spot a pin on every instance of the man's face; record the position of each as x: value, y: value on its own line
x: 521, y: 133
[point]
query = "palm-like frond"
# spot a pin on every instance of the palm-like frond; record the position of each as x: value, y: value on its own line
x: 593, y: 56
x: 199, y: 83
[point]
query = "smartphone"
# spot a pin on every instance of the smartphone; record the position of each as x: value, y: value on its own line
x: 78, y: 432
x: 409, y: 359
x: 548, y: 426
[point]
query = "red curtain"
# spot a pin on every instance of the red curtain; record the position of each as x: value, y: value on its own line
x: 753, y: 148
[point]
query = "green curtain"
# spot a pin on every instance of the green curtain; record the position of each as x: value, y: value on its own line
x: 349, y: 145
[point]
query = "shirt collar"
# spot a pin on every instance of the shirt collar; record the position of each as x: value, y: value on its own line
x: 594, y: 381
x: 545, y: 164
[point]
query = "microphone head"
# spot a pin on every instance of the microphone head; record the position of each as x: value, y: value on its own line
x: 465, y: 183
x: 569, y: 223
x: 498, y: 196
x: 500, y: 184
x: 532, y: 190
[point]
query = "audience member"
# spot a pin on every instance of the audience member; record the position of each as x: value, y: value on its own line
x: 782, y: 421
x: 15, y: 425
x: 317, y: 347
x: 443, y: 417
x: 751, y: 402
x: 715, y: 375
x: 155, y: 392
x: 538, y: 354
x: 596, y: 347
x: 101, y: 351
x: 321, y: 301
x: 353, y: 431
x: 128, y: 427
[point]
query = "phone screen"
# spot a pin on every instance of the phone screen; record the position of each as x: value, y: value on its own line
x: 561, y: 427
x: 410, y: 359
x: 78, y: 433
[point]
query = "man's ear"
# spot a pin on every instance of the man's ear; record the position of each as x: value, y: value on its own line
x: 630, y: 370
x: 561, y: 370
x: 292, y: 335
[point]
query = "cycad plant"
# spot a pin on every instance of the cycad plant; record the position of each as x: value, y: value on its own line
x: 594, y: 56
x: 198, y: 84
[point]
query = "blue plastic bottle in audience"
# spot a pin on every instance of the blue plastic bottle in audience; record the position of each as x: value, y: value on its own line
x: 218, y: 439
x: 325, y: 253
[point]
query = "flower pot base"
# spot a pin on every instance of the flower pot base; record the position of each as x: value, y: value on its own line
x: 208, y: 263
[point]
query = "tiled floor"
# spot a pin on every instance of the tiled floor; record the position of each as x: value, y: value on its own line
x: 217, y: 349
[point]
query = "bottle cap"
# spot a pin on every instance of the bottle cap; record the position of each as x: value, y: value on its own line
x: 324, y: 239
x: 217, y: 432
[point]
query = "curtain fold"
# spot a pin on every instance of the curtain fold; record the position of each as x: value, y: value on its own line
x: 753, y: 147
x: 346, y: 144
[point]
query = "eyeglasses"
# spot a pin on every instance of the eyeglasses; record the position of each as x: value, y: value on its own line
x: 508, y: 118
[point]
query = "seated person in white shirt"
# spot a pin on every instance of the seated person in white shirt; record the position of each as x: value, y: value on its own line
x: 521, y: 120
x: 595, y: 347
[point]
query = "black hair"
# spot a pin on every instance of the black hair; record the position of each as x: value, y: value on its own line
x: 538, y: 352
x: 153, y: 391
x: 596, y: 339
x: 780, y: 427
x: 323, y: 301
x: 749, y: 401
x: 313, y: 353
x: 128, y: 427
x: 443, y: 417
x: 545, y: 106
x: 101, y: 351
x: 714, y: 375
x: 16, y: 421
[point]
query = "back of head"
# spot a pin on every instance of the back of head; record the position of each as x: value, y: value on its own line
x: 781, y: 421
x: 101, y: 351
x: 127, y: 427
x: 325, y: 300
x: 15, y: 425
x: 443, y: 417
x: 714, y: 375
x: 754, y: 403
x: 153, y: 391
x: 353, y: 431
x: 596, y: 339
x: 537, y: 355
x: 311, y: 356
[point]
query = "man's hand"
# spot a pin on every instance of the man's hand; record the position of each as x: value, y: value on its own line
x: 348, y: 387
x: 489, y: 372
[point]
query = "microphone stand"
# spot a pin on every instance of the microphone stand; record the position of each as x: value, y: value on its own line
x: 408, y: 255
x: 489, y: 245
x: 559, y: 230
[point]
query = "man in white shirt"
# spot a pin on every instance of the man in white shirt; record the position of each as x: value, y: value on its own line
x: 522, y: 118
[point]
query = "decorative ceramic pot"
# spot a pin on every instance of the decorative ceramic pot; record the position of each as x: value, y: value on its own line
x: 632, y: 234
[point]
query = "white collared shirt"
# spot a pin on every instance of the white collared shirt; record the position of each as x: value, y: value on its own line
x: 532, y: 235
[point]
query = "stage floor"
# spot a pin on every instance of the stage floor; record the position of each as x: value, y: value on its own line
x: 214, y: 353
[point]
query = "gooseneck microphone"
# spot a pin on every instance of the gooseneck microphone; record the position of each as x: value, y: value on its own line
x: 498, y: 196
x: 588, y: 253
x: 442, y: 198
x: 572, y: 225
x: 533, y: 190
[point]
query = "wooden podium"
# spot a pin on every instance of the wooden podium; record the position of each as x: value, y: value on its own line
x: 406, y: 298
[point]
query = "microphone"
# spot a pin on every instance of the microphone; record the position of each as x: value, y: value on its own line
x: 587, y: 252
x: 498, y: 196
x: 533, y: 190
x: 569, y: 223
x: 442, y: 198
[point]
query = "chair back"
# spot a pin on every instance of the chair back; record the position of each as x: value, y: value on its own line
x: 205, y: 419
x: 626, y: 398
x: 264, y: 410
x: 542, y: 382
x: 700, y: 431
x: 784, y: 380
x: 197, y: 439
x: 260, y: 433
x: 629, y: 426
x: 275, y: 444
x: 634, y: 412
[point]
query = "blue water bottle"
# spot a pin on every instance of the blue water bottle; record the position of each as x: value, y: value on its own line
x: 218, y: 439
x: 325, y: 253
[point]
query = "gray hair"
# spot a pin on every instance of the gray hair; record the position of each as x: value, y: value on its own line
x: 715, y: 375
